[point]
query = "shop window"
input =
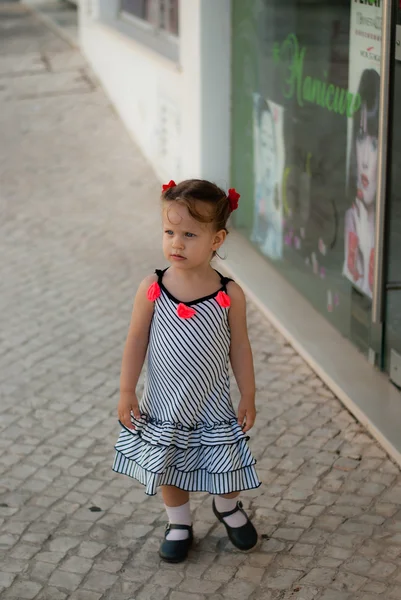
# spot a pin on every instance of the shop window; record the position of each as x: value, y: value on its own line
x: 159, y: 15
x: 305, y: 113
x: 152, y: 23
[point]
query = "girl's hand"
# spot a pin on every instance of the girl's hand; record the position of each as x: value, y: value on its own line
x: 246, y: 414
x: 128, y: 402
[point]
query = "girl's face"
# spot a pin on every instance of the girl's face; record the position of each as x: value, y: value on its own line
x: 187, y: 243
x: 366, y: 160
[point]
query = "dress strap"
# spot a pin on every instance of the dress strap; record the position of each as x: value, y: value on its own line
x: 160, y: 273
x: 224, y: 280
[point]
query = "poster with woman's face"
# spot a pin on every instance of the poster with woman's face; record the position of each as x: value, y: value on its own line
x: 267, y: 231
x: 364, y: 79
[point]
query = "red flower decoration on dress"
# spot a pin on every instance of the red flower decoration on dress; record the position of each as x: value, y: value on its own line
x: 154, y: 291
x: 223, y: 299
x: 233, y: 197
x: 184, y: 311
x: 168, y: 185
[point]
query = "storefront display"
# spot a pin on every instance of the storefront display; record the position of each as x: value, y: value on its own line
x: 364, y: 78
x: 267, y: 231
x: 306, y: 80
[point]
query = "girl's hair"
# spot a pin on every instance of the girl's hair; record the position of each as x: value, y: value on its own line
x: 192, y: 191
x: 369, y: 90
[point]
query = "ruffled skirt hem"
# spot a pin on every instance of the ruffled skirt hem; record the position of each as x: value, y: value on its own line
x: 199, y: 480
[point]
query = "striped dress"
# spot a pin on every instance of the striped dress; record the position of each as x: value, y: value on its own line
x: 188, y: 435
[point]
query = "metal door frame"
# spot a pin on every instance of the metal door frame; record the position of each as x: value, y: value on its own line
x: 380, y: 287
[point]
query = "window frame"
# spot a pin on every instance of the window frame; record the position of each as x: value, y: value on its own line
x: 153, y: 37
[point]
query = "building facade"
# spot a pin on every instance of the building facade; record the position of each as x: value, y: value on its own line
x: 295, y: 103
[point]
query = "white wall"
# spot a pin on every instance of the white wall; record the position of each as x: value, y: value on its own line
x: 179, y: 114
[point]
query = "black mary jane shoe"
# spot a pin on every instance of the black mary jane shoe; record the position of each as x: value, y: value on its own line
x: 176, y: 551
x: 244, y: 537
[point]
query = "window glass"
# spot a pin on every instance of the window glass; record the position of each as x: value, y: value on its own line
x: 161, y: 14
x: 306, y: 77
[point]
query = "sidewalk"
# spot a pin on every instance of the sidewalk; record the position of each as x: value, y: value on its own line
x: 78, y: 231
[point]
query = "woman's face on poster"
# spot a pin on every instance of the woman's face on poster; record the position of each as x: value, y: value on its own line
x: 366, y: 159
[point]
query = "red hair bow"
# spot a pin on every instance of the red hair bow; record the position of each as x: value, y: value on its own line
x: 168, y: 185
x: 233, y: 197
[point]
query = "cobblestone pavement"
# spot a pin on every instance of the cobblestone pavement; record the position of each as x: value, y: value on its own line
x: 78, y: 231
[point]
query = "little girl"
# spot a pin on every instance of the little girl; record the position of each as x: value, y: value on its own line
x: 184, y: 435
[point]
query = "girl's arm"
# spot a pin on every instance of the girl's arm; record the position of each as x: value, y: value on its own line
x: 134, y: 354
x: 241, y: 357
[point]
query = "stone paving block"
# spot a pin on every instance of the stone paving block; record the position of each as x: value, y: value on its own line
x: 98, y: 581
x: 24, y: 590
x: 76, y: 564
x: 6, y: 579
x: 16, y: 64
x: 201, y: 586
x: 153, y: 592
x: 253, y: 574
x: 344, y: 541
x: 63, y: 544
x: 51, y: 593
x: 375, y: 587
x: 321, y: 577
x: 335, y: 595
x: 395, y: 593
x: 65, y: 580
x: 329, y: 522
x: 186, y: 596
x: 300, y: 592
x: 303, y: 549
x: 221, y: 573
x: 314, y: 536
x: 273, y: 546
x: 281, y: 579
x: 382, y: 570
x: 294, y: 561
x: 167, y: 579
x: 300, y: 521
x: 42, y: 571
x: 85, y: 595
x: 313, y: 510
x: 289, y: 534
x: 348, y: 582
x: 23, y: 551
x: 238, y: 590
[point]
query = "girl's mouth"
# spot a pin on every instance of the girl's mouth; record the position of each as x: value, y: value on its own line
x: 177, y: 257
x: 359, y: 194
x: 365, y: 181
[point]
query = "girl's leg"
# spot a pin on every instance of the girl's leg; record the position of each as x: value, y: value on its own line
x: 239, y: 528
x: 173, y: 496
x: 227, y: 503
x: 178, y: 510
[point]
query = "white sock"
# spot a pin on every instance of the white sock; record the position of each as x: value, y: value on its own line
x: 225, y: 505
x: 178, y: 515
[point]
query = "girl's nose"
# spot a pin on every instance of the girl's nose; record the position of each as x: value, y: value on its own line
x: 177, y: 243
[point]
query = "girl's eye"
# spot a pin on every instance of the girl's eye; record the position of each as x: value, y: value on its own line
x: 169, y: 232
x: 190, y: 235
